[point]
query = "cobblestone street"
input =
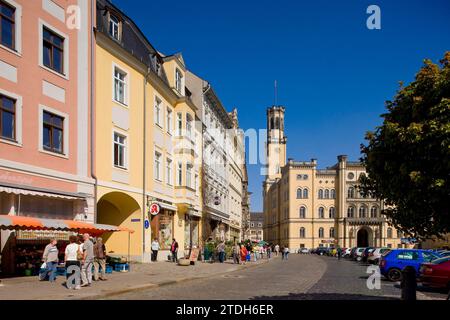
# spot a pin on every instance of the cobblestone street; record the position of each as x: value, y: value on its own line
x: 302, y: 277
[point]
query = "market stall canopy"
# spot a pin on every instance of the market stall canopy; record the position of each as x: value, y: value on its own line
x: 36, y: 193
x: 28, y: 223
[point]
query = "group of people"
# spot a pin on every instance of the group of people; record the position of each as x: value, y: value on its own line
x: 243, y: 253
x: 155, y: 246
x: 83, y: 252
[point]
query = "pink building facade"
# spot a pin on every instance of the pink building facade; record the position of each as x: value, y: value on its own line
x: 45, y: 110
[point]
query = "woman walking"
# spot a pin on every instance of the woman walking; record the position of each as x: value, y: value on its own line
x: 243, y: 253
x: 71, y: 257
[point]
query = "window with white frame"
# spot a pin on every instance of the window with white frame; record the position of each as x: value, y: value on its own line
x: 157, y: 173
x: 169, y: 119
x: 53, y: 50
x: 169, y: 171
x: 8, y: 118
x: 114, y: 24
x: 158, y: 103
x: 120, y: 85
x: 179, y: 124
x: 179, y: 174
x: 120, y: 149
x: 189, y: 175
x: 7, y: 25
x: 189, y: 125
x: 196, y: 183
x: 178, y: 81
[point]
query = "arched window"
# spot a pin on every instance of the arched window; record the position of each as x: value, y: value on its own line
x: 362, y: 212
x: 321, y: 233
x: 331, y: 232
x: 321, y: 213
x: 374, y: 212
x: 305, y: 193
x: 302, y: 212
x: 389, y: 233
x: 399, y: 234
x: 302, y: 232
x: 333, y: 194
x: 320, y: 194
x: 299, y: 193
x: 351, y: 193
x: 332, y: 213
x: 351, y: 212
x: 327, y: 194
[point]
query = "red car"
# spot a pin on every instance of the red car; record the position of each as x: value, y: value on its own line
x: 436, y: 274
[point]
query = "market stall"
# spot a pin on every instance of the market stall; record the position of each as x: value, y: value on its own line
x: 23, y: 249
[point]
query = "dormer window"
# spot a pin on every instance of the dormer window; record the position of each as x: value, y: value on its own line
x: 178, y: 81
x: 114, y: 27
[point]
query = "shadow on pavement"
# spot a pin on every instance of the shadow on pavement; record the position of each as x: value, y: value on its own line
x: 323, y: 296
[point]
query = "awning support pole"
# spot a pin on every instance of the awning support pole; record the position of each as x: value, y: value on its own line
x: 129, y: 262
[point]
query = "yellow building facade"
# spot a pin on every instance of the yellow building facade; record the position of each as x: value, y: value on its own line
x: 306, y: 207
x: 146, y: 141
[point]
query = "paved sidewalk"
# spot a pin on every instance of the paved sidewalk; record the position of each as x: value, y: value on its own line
x: 141, y: 277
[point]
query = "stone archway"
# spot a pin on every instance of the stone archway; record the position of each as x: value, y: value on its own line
x: 364, y: 237
x: 120, y: 209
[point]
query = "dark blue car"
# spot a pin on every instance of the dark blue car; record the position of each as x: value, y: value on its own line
x: 392, y: 264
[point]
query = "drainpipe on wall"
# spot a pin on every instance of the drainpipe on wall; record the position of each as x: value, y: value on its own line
x: 93, y: 174
x: 144, y: 171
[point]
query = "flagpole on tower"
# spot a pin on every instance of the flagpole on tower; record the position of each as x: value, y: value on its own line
x: 275, y: 93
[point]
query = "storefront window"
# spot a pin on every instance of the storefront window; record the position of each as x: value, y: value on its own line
x: 165, y: 229
x: 187, y: 232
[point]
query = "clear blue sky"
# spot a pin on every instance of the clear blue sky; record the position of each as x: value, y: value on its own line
x: 334, y: 74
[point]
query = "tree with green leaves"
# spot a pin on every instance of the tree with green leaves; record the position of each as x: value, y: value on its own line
x: 407, y: 158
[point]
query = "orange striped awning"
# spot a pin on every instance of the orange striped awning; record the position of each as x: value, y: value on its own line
x: 8, y: 222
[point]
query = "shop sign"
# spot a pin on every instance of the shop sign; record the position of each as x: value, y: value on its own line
x: 155, y: 209
x: 42, y: 235
x: 194, y: 254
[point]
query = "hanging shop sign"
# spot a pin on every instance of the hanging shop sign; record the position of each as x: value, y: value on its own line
x: 155, y: 209
x: 42, y: 235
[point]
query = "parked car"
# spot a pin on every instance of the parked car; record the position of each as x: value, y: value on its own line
x: 374, y: 256
x: 436, y: 274
x: 303, y: 250
x: 366, y: 253
x: 346, y: 253
x: 321, y: 251
x: 352, y: 253
x: 392, y: 263
x: 358, y: 254
x: 444, y: 254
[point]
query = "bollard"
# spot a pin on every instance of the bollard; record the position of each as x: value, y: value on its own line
x: 409, y: 284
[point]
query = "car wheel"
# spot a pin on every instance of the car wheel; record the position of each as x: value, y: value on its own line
x: 358, y: 259
x: 394, y: 275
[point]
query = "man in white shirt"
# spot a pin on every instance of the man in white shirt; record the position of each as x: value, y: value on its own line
x: 155, y: 249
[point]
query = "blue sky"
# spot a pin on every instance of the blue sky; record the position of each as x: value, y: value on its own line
x: 333, y: 73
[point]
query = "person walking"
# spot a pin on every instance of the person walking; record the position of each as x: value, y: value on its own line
x: 243, y: 252
x: 99, y: 259
x: 174, y: 250
x: 269, y: 252
x: 236, y: 253
x: 286, y: 253
x: 71, y: 256
x: 221, y: 250
x: 282, y: 252
x: 339, y: 253
x: 87, y: 262
x: 261, y: 252
x: 155, y: 249
x: 277, y: 249
x: 50, y: 258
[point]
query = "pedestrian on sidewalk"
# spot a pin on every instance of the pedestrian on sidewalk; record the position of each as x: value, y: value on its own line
x: 155, y: 249
x: 100, y: 259
x: 255, y: 251
x: 71, y: 258
x: 277, y: 249
x: 261, y: 252
x: 286, y: 253
x: 339, y: 253
x: 244, y: 254
x: 50, y: 258
x: 269, y: 252
x: 236, y: 253
x: 87, y: 262
x: 282, y: 253
x: 174, y: 250
x: 221, y: 250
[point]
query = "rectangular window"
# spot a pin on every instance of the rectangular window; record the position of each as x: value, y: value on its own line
x: 119, y: 150
x: 179, y: 124
x: 178, y: 80
x: 189, y: 126
x: 7, y: 25
x: 114, y: 27
x: 120, y: 85
x: 53, y: 132
x: 7, y: 118
x: 169, y: 120
x: 157, y: 173
x: 189, y: 175
x: 169, y: 171
x: 179, y: 174
x: 53, y: 50
x: 158, y: 111
x: 196, y: 183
